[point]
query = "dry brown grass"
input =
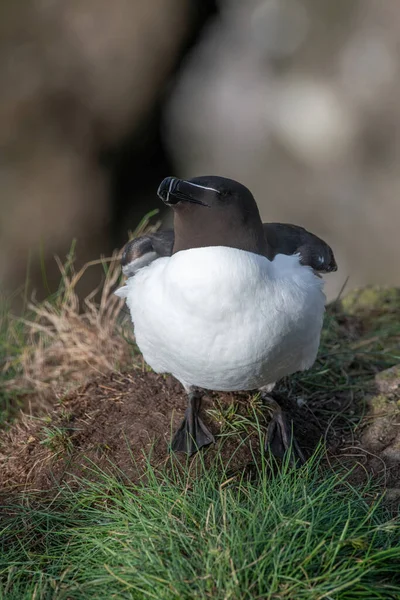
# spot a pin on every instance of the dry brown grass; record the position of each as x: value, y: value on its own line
x: 67, y: 341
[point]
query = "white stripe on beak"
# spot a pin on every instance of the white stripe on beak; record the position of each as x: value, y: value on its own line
x: 169, y: 189
x: 203, y: 187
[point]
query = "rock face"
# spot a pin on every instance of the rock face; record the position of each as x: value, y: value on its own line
x: 374, y: 312
x: 377, y: 307
x: 382, y: 431
x: 388, y: 381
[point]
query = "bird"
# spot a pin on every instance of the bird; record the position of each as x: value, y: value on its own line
x: 224, y: 302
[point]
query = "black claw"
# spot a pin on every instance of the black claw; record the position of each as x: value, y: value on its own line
x: 192, y: 433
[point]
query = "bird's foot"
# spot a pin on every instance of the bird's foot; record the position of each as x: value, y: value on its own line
x: 192, y: 433
x: 280, y: 439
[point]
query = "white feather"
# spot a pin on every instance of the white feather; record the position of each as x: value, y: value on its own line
x: 225, y: 319
x: 122, y: 292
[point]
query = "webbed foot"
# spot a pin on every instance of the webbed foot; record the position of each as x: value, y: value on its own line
x: 192, y: 433
x: 280, y: 438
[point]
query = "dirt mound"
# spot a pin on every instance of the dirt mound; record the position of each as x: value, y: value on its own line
x: 116, y: 420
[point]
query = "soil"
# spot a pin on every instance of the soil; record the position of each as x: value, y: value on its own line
x: 115, y: 421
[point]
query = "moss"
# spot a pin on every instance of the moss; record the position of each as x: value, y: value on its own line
x: 380, y: 403
x: 370, y: 298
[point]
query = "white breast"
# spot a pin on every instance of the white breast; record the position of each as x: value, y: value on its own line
x: 225, y: 319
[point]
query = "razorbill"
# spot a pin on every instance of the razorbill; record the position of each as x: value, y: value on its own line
x: 225, y: 302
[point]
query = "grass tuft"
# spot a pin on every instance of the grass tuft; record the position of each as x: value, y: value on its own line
x: 57, y: 439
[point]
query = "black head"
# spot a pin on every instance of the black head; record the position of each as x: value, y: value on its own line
x: 213, y: 211
x: 210, y: 191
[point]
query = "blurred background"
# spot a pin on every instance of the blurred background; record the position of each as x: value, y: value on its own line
x: 297, y: 99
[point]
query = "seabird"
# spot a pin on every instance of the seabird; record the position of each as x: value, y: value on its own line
x: 224, y: 302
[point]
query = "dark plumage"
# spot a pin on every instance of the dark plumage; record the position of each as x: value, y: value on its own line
x: 282, y: 238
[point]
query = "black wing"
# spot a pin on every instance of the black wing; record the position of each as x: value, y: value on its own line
x: 143, y: 250
x: 283, y: 238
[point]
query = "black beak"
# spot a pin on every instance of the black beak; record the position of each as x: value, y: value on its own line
x: 332, y: 267
x: 172, y: 191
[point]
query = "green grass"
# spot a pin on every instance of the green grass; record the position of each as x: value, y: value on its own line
x: 57, y: 439
x: 294, y: 534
